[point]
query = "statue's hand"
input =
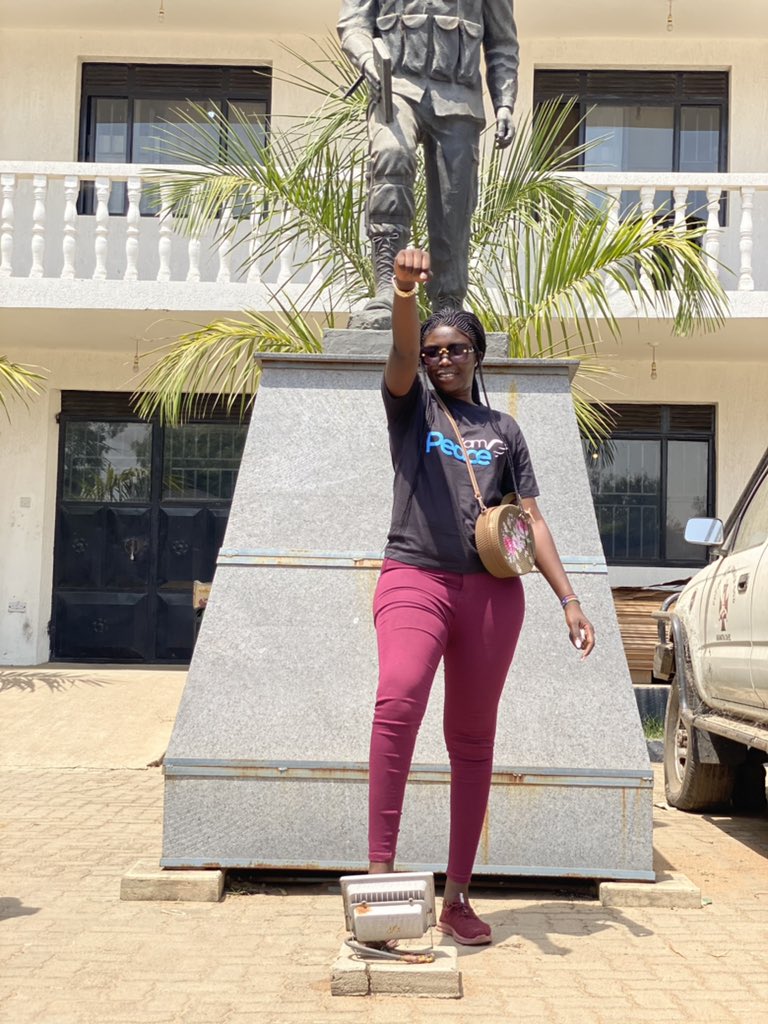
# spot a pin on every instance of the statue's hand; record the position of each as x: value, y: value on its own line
x: 505, y: 129
x: 411, y: 267
x: 368, y: 68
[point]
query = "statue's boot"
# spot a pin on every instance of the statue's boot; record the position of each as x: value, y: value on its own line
x: 442, y: 302
x: 376, y: 315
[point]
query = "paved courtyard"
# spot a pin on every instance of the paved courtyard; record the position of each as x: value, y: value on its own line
x: 78, y: 806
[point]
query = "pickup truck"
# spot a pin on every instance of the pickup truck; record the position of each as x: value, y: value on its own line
x: 713, y: 650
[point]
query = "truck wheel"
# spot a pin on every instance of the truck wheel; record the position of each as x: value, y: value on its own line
x: 690, y: 785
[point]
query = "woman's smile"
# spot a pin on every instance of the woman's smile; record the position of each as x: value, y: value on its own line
x: 452, y: 378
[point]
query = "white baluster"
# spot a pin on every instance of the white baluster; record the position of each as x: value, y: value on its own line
x: 193, y: 252
x: 315, y: 268
x: 39, y: 189
x: 286, y: 264
x: 103, y: 188
x: 647, y: 198
x: 680, y: 224
x: 614, y: 206
x: 133, y: 220
x: 8, y: 186
x: 254, y: 274
x: 193, y: 256
x: 164, y: 241
x: 746, y: 280
x: 224, y: 246
x: 680, y: 196
x: 69, y: 244
x: 712, y: 234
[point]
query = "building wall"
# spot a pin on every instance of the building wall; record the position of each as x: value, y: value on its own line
x: 746, y: 60
x: 29, y: 459
x: 27, y: 509
x: 28, y: 465
x: 40, y: 97
x: 737, y: 389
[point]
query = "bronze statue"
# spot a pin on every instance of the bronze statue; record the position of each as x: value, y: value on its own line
x: 434, y: 47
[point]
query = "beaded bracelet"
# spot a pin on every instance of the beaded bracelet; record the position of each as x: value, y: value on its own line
x: 568, y: 599
x: 399, y: 291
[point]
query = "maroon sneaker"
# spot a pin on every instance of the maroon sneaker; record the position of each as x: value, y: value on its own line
x: 459, y: 920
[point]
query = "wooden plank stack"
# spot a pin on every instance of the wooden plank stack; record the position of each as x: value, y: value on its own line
x: 639, y: 635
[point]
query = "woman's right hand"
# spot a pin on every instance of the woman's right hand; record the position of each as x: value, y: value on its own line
x: 411, y: 267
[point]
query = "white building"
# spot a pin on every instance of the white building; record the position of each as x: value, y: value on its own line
x: 96, y: 565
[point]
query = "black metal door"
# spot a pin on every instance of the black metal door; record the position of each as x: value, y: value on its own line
x: 141, y: 513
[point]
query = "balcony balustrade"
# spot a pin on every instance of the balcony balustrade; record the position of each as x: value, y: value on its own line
x: 143, y: 260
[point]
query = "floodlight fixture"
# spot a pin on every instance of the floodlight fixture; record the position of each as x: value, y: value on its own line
x: 387, y: 907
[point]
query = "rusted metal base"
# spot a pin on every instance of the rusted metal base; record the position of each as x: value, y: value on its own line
x: 239, y: 816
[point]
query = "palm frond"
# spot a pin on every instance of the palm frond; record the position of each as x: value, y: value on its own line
x: 19, y: 382
x: 561, y: 276
x: 327, y: 74
x: 551, y: 262
x: 534, y: 177
x: 219, y: 363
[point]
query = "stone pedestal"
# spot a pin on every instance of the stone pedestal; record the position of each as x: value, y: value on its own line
x: 267, y: 764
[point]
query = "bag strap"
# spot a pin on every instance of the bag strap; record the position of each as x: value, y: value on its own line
x: 468, y: 464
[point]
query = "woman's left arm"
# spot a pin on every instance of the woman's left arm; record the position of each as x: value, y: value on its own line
x: 551, y: 568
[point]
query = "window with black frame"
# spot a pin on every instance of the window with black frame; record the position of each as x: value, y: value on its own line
x: 653, y: 475
x: 645, y: 121
x: 138, y: 113
x: 141, y: 512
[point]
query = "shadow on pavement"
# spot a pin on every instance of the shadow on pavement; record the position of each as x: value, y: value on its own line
x: 574, y: 922
x: 569, y: 910
x: 751, y: 830
x: 31, y: 680
x: 12, y: 907
x: 660, y: 863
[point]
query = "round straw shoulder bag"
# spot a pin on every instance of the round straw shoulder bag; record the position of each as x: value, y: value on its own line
x: 503, y: 533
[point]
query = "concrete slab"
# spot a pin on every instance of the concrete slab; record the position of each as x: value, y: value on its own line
x: 438, y: 980
x: 671, y: 891
x: 146, y: 880
x: 349, y: 977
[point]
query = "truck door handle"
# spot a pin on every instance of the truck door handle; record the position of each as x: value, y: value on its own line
x: 742, y: 584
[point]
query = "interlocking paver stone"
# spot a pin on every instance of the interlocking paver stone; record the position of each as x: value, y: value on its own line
x: 71, y: 952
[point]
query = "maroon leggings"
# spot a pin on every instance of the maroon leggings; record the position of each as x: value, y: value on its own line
x: 472, y: 621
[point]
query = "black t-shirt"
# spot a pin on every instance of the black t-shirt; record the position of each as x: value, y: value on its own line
x: 434, y: 508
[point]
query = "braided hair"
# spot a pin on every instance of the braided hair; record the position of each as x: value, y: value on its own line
x: 463, y: 321
x: 469, y: 325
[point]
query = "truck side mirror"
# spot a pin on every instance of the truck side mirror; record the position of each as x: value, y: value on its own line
x: 704, y: 531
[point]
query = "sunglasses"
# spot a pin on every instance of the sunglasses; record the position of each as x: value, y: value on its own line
x: 457, y: 352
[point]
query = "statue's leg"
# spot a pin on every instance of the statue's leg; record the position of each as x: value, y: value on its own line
x: 451, y: 157
x: 389, y: 210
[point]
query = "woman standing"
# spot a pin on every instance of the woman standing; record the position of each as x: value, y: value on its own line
x: 434, y: 598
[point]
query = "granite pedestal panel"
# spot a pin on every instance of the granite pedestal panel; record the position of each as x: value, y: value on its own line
x: 267, y: 763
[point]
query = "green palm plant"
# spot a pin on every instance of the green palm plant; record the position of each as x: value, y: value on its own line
x: 18, y: 383
x: 547, y: 256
